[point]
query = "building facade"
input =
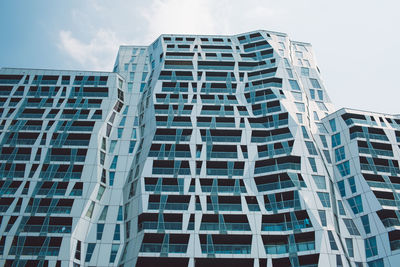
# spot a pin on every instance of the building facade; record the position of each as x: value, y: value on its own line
x: 195, y: 151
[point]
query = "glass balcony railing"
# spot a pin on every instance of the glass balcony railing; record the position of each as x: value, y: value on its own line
x: 284, y: 166
x: 228, y: 226
x: 275, y: 186
x: 50, y: 229
x: 387, y: 202
x: 305, y: 246
x: 389, y: 222
x: 157, y: 225
x: 35, y: 251
x: 394, y: 245
x: 283, y: 205
x: 168, y: 206
x: 226, y: 249
x: 160, y: 248
x: 369, y: 135
x: 375, y: 151
x: 233, y: 139
x: 223, y: 189
x: 277, y: 249
x: 286, y: 226
x: 224, y: 207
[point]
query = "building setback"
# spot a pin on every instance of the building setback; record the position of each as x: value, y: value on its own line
x: 195, y: 151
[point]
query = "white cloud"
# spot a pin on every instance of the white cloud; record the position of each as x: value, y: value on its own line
x: 98, y: 27
x: 98, y: 54
x: 175, y: 16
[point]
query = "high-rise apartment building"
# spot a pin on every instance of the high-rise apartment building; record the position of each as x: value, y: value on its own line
x: 195, y: 151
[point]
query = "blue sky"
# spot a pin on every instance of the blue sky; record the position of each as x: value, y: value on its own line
x: 356, y: 42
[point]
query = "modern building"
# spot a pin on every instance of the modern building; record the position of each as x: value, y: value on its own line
x: 195, y: 151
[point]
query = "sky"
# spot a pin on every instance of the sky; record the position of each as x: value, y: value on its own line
x: 356, y: 43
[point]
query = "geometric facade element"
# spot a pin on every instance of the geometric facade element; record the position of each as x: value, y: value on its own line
x: 195, y: 151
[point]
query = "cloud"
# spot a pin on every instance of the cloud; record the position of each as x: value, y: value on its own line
x: 97, y: 54
x: 175, y: 16
x: 151, y: 19
x: 207, y: 17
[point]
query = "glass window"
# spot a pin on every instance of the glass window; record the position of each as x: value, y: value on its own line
x: 114, y: 162
x: 341, y: 208
x: 90, y: 210
x: 339, y: 262
x: 290, y: 73
x: 287, y: 64
x: 103, y: 214
x: 320, y: 95
x: 120, y: 131
x: 352, y: 184
x: 133, y: 136
x: 120, y: 215
x: 332, y: 123
x: 344, y: 168
x: 114, y: 251
x: 322, y: 216
x: 327, y: 156
x: 122, y: 122
x: 78, y: 250
x: 305, y: 134
x: 103, y: 144
x: 319, y: 181
x: 323, y: 140
x: 299, y: 117
x: 350, y: 249
x: 315, y: 83
x: 100, y: 192
x: 89, y: 251
x: 131, y: 146
x: 297, y: 96
x: 295, y: 86
x: 340, y: 154
x: 112, y: 146
x: 356, y: 204
x: 342, y: 188
x: 313, y: 164
x: 321, y: 106
x: 371, y: 248
x: 117, y: 232
x: 300, y: 107
x: 102, y: 157
x: 299, y: 54
x: 305, y: 71
x: 316, y: 117
x: 312, y: 93
x: 100, y: 229
x: 299, y: 62
x: 365, y: 222
x: 374, y: 263
x: 321, y: 128
x: 311, y: 148
x: 351, y: 227
x: 324, y: 197
x: 332, y: 241
x: 112, y: 176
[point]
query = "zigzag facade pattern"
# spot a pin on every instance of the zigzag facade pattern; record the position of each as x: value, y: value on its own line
x: 195, y: 151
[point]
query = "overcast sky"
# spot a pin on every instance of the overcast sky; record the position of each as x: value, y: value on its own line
x: 357, y: 43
